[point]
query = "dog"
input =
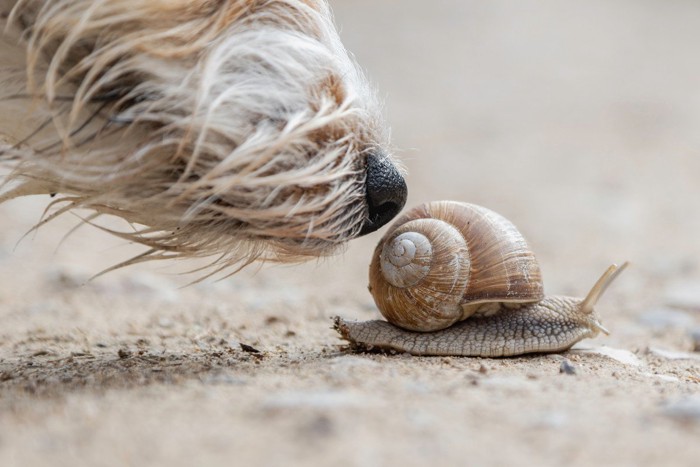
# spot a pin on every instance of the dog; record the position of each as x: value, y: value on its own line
x: 238, y: 130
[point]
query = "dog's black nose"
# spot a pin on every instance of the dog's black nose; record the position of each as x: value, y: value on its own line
x: 386, y: 192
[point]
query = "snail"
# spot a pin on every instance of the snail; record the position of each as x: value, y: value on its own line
x: 458, y: 279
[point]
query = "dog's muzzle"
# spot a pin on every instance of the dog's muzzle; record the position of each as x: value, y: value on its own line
x: 386, y: 192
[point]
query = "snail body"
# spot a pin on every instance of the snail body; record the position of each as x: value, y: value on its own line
x: 458, y: 279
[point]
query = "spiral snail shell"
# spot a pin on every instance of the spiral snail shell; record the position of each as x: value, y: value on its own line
x: 454, y: 278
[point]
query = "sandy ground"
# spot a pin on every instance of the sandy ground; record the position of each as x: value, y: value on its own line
x: 578, y: 121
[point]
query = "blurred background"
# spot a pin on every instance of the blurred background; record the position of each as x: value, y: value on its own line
x: 578, y: 121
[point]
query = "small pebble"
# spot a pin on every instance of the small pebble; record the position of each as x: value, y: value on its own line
x: 567, y: 367
x: 672, y: 354
x: 272, y: 320
x: 320, y: 426
x: 223, y: 379
x: 683, y: 294
x: 249, y: 348
x: 166, y: 323
x: 686, y: 409
x: 695, y: 339
x: 124, y: 353
x: 551, y: 420
x: 67, y: 277
x: 664, y: 318
x: 621, y: 355
x: 666, y: 378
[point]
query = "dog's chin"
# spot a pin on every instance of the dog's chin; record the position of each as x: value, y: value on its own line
x: 314, y: 246
x: 300, y: 252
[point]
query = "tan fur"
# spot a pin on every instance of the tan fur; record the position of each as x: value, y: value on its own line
x: 230, y: 128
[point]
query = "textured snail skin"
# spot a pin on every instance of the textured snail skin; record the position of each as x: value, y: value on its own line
x: 551, y: 325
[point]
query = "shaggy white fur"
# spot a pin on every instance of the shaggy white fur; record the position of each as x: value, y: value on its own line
x: 232, y: 128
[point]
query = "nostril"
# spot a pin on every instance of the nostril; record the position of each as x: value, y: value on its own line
x: 381, y: 215
x: 386, y: 193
